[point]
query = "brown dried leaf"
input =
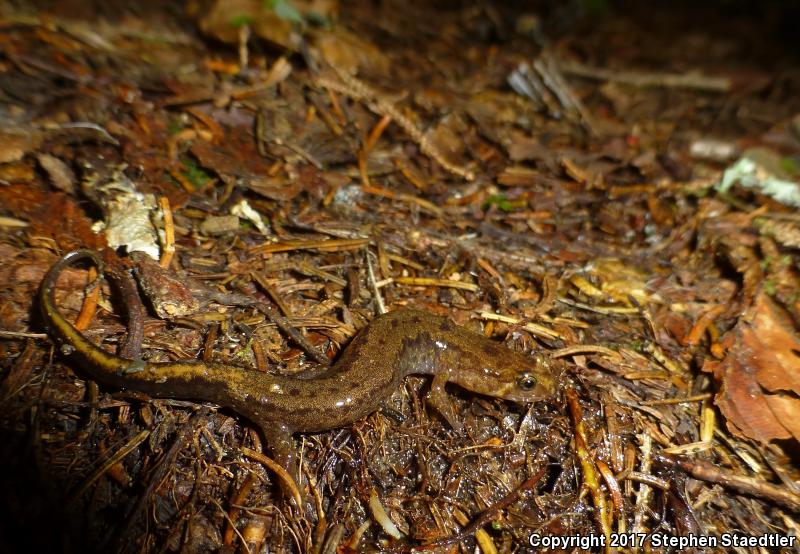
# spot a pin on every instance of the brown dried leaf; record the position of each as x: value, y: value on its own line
x: 14, y: 145
x: 743, y: 403
x: 54, y: 215
x: 62, y: 177
x: 760, y: 375
x: 622, y: 281
x: 774, y: 343
x: 239, y: 163
x: 167, y: 292
x: 223, y: 19
x: 448, y: 137
x: 787, y: 409
x: 351, y: 53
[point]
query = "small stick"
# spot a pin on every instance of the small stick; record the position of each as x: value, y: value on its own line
x: 320, y: 245
x: 279, y: 471
x: 706, y: 471
x: 434, y: 282
x: 379, y: 305
x: 421, y: 202
x: 643, y: 496
x: 169, y: 233
x: 239, y: 497
x: 118, y: 456
x: 696, y: 333
x: 89, y: 306
x: 126, y: 286
x: 668, y: 80
x: 375, y: 134
x: 587, y: 465
x: 283, y: 323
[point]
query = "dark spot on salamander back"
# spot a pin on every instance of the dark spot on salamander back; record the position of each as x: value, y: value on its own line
x: 416, y: 319
x: 294, y: 392
x: 489, y: 349
x: 446, y: 325
x: 395, y: 323
x: 305, y: 413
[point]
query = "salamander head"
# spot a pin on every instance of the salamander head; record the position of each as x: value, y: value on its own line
x: 490, y: 368
x: 434, y: 345
x: 529, y: 382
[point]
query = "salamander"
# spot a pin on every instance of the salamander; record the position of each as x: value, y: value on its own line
x: 370, y: 368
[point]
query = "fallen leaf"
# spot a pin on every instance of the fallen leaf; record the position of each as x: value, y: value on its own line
x: 760, y: 375
x: 15, y: 144
x: 51, y: 214
x: 771, y: 336
x: 233, y: 164
x: 351, y: 53
x: 62, y: 177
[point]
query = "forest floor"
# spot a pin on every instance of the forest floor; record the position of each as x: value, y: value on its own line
x: 612, y: 186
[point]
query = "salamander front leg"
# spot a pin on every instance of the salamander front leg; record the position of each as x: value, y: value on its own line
x: 437, y: 398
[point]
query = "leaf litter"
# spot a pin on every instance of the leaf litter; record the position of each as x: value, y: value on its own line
x: 588, y: 185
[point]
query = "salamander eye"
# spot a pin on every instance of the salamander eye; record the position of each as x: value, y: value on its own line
x: 526, y: 381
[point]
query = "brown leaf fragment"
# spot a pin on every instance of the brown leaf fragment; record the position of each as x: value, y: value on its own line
x: 760, y: 375
x: 54, y: 215
x: 448, y: 136
x: 739, y: 253
x: 238, y: 163
x: 219, y: 21
x: 775, y: 346
x: 166, y: 291
x: 223, y: 19
x: 219, y: 225
x: 351, y: 52
x: 744, y: 404
x: 15, y: 144
x: 61, y: 176
x: 787, y: 410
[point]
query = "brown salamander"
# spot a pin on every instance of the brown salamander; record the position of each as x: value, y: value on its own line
x: 372, y: 366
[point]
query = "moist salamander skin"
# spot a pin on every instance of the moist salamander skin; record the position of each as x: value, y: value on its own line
x: 393, y: 345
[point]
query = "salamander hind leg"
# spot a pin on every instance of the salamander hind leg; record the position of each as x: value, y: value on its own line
x: 279, y: 439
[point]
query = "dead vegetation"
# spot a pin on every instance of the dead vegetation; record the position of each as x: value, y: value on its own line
x: 382, y: 161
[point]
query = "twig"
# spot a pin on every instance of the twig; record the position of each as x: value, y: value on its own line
x: 89, y: 306
x: 284, y: 476
x: 232, y: 524
x: 706, y: 471
x: 668, y: 80
x: 533, y: 328
x: 358, y: 90
x: 434, y: 282
x: 643, y: 495
x: 169, y: 233
x: 21, y: 335
x: 283, y: 323
x: 379, y: 305
x: 118, y: 456
x: 134, y: 309
x: 421, y: 202
x: 590, y: 477
x: 320, y: 245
